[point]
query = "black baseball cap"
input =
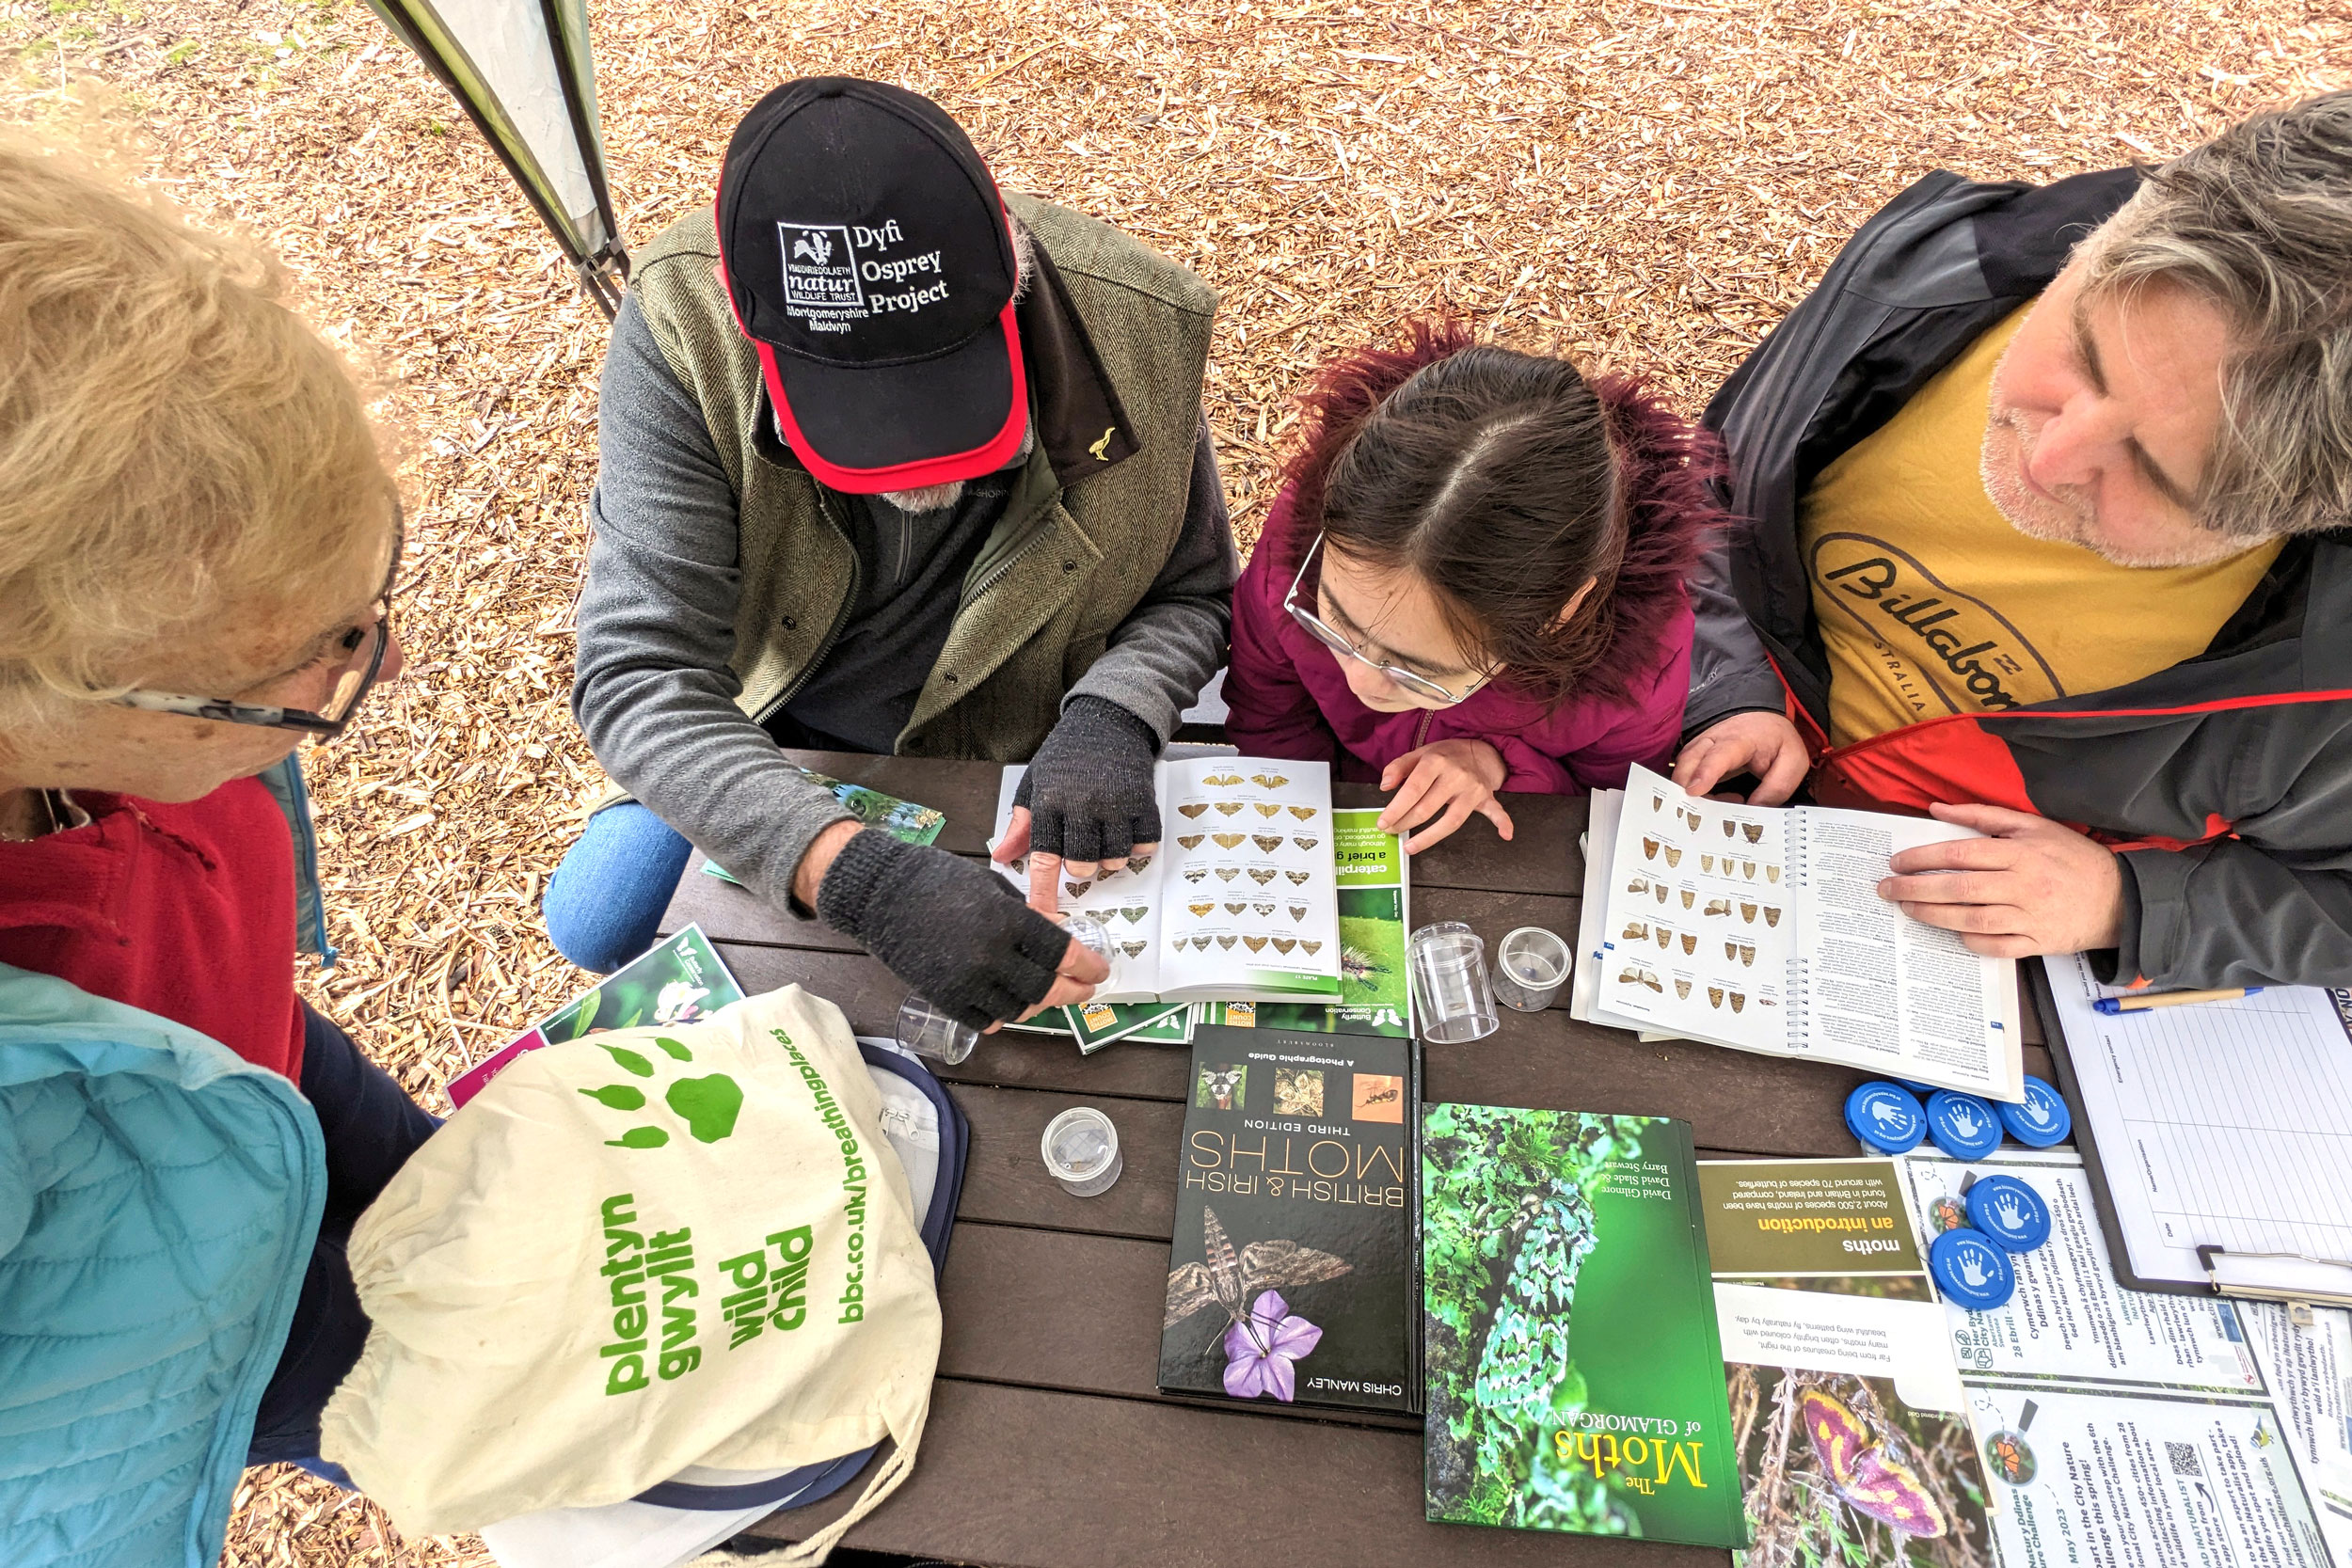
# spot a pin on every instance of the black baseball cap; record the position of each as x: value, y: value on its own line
x: 869, y: 261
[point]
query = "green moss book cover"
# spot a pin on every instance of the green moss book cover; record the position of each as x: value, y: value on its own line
x: 1574, y: 1374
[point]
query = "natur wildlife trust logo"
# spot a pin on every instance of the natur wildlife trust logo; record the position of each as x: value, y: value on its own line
x: 706, y: 1107
x: 820, y: 267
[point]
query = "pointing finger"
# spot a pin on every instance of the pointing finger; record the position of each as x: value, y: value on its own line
x: 1044, y: 870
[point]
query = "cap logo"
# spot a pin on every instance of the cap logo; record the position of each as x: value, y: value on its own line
x: 827, y: 267
x: 819, y: 270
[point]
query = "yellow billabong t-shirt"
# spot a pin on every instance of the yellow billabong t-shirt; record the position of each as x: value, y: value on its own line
x: 1930, y: 602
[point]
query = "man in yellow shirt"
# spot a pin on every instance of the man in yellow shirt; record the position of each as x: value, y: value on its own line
x: 2047, y: 485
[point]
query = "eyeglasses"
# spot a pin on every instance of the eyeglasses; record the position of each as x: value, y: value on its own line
x: 1323, y: 632
x: 366, y: 658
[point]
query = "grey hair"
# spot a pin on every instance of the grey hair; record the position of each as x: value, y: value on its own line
x: 2258, y: 221
x: 1023, y: 256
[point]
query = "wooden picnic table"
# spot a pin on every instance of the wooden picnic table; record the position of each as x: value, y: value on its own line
x: 1048, y: 1444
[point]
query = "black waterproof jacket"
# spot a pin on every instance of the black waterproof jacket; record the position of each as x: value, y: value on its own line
x: 2225, y: 781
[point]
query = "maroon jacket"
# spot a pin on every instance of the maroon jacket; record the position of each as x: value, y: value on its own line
x: 1288, y: 697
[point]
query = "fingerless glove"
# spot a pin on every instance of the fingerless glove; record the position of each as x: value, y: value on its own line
x: 951, y: 928
x: 1089, y: 790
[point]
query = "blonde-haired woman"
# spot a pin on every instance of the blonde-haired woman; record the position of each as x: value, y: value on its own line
x: 197, y: 546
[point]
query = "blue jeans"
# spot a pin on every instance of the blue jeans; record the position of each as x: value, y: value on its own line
x: 604, y: 903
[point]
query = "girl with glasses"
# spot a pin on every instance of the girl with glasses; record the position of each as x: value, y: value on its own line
x: 197, y: 538
x: 1472, y: 580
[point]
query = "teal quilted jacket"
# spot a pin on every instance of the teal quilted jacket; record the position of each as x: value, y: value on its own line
x: 159, y: 1198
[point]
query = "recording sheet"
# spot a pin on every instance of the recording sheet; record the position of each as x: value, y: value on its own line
x: 2220, y: 1123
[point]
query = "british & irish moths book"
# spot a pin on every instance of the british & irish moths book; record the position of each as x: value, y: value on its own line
x: 1291, y: 1274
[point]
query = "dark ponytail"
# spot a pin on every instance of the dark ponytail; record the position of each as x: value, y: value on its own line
x: 1506, y: 481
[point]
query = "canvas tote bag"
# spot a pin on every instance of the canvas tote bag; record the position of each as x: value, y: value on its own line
x: 637, y: 1252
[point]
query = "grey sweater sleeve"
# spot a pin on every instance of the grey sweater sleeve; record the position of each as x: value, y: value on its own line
x: 652, y: 688
x: 1164, y: 652
x: 1729, y: 669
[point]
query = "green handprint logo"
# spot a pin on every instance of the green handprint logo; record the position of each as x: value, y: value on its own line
x: 708, y: 1105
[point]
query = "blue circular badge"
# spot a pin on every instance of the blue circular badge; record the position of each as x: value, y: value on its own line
x: 1970, y: 1270
x: 1962, y: 1125
x: 1922, y: 1090
x: 2040, y: 1119
x: 2009, y: 1211
x: 1886, y: 1118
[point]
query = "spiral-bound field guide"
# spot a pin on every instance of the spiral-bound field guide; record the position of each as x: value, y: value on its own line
x: 1761, y: 929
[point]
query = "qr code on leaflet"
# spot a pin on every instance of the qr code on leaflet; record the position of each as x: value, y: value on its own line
x: 2185, y: 1460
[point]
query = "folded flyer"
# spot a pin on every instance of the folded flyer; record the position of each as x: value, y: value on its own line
x: 1096, y: 1024
x: 1761, y: 929
x: 1240, y: 902
x: 1847, y: 1410
x: 904, y: 820
x: 2123, y: 1426
x: 676, y: 982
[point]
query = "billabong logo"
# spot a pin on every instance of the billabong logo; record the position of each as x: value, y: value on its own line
x: 1975, y: 659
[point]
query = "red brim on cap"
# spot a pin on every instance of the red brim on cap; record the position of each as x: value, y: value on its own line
x: 986, y: 457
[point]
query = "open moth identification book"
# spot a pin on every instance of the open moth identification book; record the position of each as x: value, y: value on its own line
x: 1761, y: 929
x: 1240, y: 904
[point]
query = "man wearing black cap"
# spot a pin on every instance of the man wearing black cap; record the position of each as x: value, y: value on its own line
x: 890, y: 463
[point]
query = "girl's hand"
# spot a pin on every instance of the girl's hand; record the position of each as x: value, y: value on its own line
x: 1764, y: 744
x: 1452, y: 777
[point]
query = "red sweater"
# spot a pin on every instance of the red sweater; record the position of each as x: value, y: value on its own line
x: 184, y: 910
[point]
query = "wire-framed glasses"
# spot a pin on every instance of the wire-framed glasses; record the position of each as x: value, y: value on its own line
x: 1331, y: 638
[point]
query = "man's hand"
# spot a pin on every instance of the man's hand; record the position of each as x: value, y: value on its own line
x: 1447, y: 780
x: 1088, y: 800
x: 1764, y: 744
x: 2032, y: 887
x: 953, y: 929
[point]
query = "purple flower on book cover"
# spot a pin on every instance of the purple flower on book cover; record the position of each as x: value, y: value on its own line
x: 1260, y: 1355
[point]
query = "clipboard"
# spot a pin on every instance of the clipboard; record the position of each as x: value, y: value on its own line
x: 2328, y: 1280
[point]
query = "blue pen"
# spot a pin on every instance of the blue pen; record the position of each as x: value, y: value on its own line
x: 2113, y: 1006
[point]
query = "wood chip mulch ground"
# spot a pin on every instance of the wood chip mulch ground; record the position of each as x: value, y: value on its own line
x: 1645, y: 183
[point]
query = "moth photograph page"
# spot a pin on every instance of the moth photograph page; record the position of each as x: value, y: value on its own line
x: 1761, y: 928
x: 1240, y: 904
